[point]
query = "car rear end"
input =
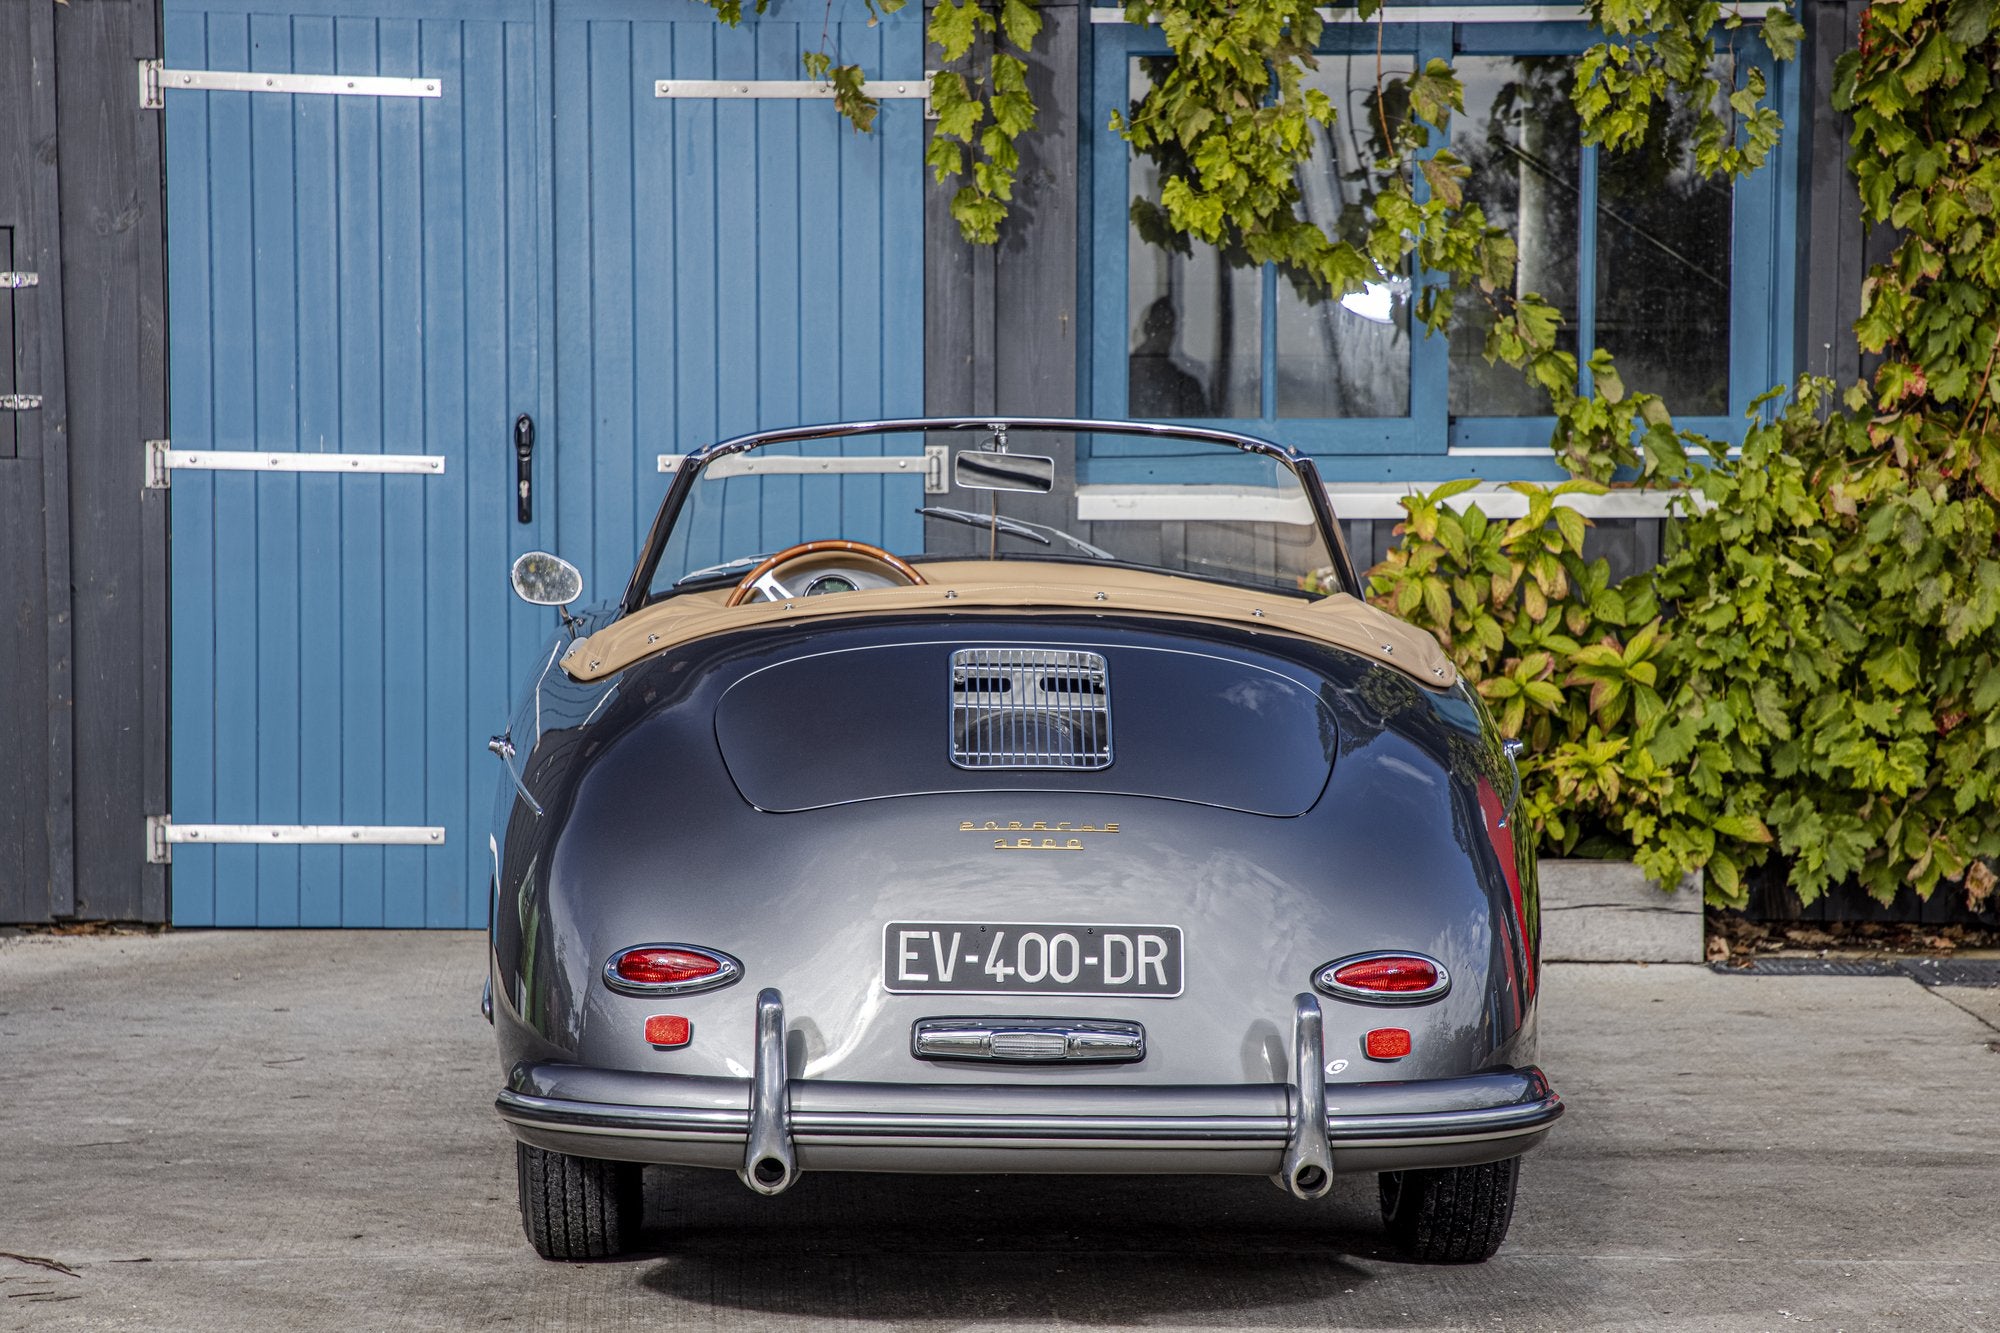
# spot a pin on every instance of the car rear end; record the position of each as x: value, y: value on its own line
x: 1035, y: 894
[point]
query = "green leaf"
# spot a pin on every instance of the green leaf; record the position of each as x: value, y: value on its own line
x: 1894, y: 667
x: 1967, y: 22
x: 1021, y: 22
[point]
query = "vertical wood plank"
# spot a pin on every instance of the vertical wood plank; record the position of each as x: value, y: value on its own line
x: 861, y: 321
x: 25, y: 704
x: 114, y: 397
x: 608, y: 255
x: 492, y: 220
x: 451, y: 884
x: 405, y: 674
x: 572, y: 431
x: 190, y: 378
x: 359, y: 210
x: 276, y: 566
x: 776, y: 171
x: 656, y: 427
x: 232, y: 280
x: 696, y: 276
x: 315, y: 193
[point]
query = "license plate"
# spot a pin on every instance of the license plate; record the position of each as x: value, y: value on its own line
x: 1030, y: 958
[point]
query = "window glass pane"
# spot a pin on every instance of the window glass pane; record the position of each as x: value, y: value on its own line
x: 1193, y: 317
x: 1519, y: 135
x: 1663, y: 267
x: 1351, y: 357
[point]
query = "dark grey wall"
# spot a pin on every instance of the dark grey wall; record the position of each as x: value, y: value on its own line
x: 1836, y: 248
x: 82, y: 543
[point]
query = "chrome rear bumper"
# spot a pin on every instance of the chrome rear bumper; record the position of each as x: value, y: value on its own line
x: 817, y: 1125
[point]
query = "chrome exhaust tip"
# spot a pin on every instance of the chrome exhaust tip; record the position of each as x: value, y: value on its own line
x: 1307, y: 1172
x: 769, y: 1166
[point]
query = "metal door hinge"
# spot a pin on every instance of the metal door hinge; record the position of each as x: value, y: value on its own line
x: 17, y: 280
x: 931, y: 464
x: 789, y: 90
x: 154, y: 80
x: 930, y: 82
x: 19, y: 402
x: 162, y: 833
x: 162, y: 459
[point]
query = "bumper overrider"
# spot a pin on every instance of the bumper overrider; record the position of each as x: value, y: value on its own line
x: 772, y: 1126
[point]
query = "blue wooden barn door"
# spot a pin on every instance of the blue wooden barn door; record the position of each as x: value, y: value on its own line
x: 726, y: 263
x: 349, y: 275
x: 405, y: 274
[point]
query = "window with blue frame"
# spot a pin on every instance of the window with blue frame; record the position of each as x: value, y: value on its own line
x: 1685, y: 280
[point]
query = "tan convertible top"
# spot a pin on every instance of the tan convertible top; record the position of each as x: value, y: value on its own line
x: 971, y: 586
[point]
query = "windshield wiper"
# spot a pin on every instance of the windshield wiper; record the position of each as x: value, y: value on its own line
x: 1015, y: 527
x: 742, y: 562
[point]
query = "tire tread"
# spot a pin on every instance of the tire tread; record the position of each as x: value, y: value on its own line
x: 1454, y: 1215
x: 576, y: 1207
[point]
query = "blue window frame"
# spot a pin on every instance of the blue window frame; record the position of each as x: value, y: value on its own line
x: 1746, y: 271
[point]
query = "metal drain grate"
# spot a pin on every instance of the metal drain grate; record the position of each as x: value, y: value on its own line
x: 1030, y: 708
x: 1978, y: 972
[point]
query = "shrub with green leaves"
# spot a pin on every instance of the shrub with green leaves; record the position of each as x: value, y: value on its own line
x: 1565, y: 659
x: 1835, y: 668
x: 1814, y: 670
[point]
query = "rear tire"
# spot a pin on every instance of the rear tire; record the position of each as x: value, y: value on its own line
x: 577, y: 1207
x: 1455, y: 1215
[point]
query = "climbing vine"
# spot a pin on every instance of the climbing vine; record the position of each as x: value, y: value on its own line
x: 981, y: 112
x: 1814, y: 674
x: 1826, y: 663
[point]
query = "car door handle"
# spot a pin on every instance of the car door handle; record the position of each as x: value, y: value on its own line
x: 503, y: 745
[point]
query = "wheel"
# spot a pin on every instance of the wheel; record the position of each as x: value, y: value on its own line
x: 576, y: 1207
x: 1455, y: 1215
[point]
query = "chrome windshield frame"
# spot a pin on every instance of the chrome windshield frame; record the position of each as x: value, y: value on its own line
x: 639, y: 589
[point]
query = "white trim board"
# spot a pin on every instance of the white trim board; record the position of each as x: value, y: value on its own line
x: 1448, y: 14
x: 1351, y: 501
x: 1378, y: 500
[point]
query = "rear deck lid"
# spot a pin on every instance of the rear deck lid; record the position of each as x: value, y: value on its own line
x: 908, y: 719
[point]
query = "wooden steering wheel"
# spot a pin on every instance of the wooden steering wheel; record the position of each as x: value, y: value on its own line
x: 764, y: 580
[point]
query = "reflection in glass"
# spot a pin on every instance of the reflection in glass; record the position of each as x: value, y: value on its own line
x: 1352, y: 358
x: 1663, y: 266
x: 1193, y: 316
x: 1520, y: 137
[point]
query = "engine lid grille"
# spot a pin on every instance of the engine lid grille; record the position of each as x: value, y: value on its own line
x: 1030, y: 708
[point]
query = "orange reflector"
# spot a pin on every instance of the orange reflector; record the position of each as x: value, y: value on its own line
x: 1387, y: 1044
x: 673, y: 1030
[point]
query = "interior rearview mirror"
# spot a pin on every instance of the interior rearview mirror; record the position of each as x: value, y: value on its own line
x: 542, y: 579
x: 980, y: 471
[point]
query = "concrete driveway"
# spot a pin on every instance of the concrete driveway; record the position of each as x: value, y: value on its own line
x: 293, y: 1130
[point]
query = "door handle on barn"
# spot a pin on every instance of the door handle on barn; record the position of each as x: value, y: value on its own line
x: 524, y: 468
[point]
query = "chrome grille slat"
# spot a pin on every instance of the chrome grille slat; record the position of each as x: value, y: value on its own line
x: 1030, y: 708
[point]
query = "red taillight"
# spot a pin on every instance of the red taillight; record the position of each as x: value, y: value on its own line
x: 652, y: 969
x: 1384, y: 978
x: 1387, y: 1044
x: 669, y: 1030
x: 664, y: 967
x: 1390, y: 975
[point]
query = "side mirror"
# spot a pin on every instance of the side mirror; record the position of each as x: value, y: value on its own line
x: 541, y: 579
x: 983, y: 471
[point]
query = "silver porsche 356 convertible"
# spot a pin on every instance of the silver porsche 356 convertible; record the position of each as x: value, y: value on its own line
x: 943, y: 795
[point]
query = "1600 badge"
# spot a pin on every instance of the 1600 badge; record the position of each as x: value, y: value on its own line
x: 1011, y: 957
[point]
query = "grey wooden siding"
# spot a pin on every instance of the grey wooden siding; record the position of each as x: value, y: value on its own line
x: 82, y: 545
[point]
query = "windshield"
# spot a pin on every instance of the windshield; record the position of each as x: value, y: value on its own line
x: 1160, y: 502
